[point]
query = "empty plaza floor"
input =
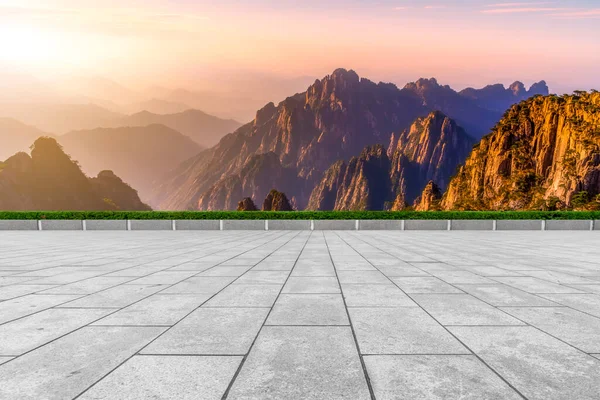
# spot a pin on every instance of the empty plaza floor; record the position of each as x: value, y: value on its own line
x: 300, y: 315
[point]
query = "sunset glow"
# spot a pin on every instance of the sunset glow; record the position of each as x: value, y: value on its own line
x: 175, y: 42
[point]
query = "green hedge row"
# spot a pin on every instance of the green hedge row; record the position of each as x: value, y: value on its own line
x: 299, y: 215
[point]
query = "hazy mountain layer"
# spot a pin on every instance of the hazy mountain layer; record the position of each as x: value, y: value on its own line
x: 204, y: 129
x: 140, y: 155
x: 16, y: 137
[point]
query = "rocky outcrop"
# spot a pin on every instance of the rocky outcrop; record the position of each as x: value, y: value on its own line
x: 429, y: 200
x: 431, y: 149
x: 545, y: 151
x: 50, y: 180
x: 119, y: 194
x: 498, y: 98
x: 246, y: 204
x: 276, y: 201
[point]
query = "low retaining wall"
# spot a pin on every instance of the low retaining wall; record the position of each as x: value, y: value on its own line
x: 265, y: 225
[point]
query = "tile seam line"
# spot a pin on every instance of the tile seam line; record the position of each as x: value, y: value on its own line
x: 243, y: 361
x: 181, y: 319
x: 446, y: 329
x: 526, y: 324
x: 354, y: 337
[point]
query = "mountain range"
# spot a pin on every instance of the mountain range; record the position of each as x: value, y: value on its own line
x: 347, y: 143
x: 290, y: 146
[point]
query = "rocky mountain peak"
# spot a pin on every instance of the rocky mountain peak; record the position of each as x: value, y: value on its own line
x: 429, y: 199
x: 246, y: 204
x: 517, y: 88
x: 276, y: 201
x: 539, y: 88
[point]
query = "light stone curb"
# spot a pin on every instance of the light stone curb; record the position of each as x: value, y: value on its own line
x: 266, y: 225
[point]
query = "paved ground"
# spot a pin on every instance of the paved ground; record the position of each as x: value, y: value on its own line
x: 300, y: 315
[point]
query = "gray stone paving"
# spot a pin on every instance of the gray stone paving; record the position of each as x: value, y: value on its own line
x: 300, y: 315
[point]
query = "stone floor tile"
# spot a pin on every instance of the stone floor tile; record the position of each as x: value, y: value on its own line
x: 431, y: 284
x: 362, y: 277
x: 88, y: 286
x: 13, y: 291
x: 536, y: 364
x: 116, y: 297
x: 220, y: 270
x: 163, y: 278
x: 588, y: 303
x: 316, y: 284
x: 302, y: 363
x: 200, y: 284
x: 502, y: 295
x: 462, y: 309
x: 403, y: 330
x: 167, y: 378
x: 245, y: 296
x: 30, y: 304
x: 27, y: 333
x: 309, y: 309
x: 435, y: 377
x: 369, y: 295
x: 535, y: 285
x: 158, y: 309
x: 68, y: 366
x: 263, y: 277
x: 206, y: 331
x: 574, y: 327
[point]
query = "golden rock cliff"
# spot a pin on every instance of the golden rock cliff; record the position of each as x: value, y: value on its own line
x: 545, y: 151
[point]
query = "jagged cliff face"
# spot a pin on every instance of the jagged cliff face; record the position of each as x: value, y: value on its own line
x: 361, y: 184
x: 50, y: 180
x: 255, y: 179
x: 546, y: 149
x: 334, y: 119
x: 431, y: 149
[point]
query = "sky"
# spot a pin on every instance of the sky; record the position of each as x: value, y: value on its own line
x: 200, y: 43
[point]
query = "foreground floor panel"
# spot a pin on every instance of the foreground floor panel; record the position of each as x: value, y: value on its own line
x: 300, y: 315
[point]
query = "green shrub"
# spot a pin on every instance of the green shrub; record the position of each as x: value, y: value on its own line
x: 299, y: 215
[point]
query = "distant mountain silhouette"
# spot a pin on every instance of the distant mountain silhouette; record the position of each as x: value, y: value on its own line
x: 498, y: 98
x: 50, y: 180
x: 204, y: 129
x: 138, y: 154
